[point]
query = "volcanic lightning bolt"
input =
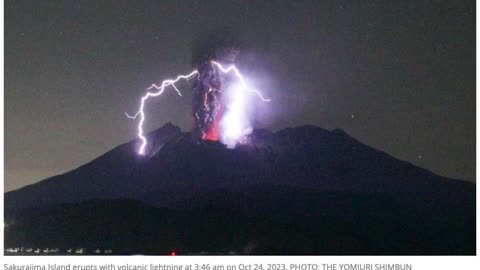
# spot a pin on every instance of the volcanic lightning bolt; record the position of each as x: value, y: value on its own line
x: 171, y: 82
x: 237, y: 73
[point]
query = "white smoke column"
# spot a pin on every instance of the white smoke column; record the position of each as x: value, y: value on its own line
x: 235, y: 124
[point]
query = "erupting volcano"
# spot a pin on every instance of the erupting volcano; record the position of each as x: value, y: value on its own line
x: 219, y: 103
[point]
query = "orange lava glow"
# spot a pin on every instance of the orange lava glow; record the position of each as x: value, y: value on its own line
x: 213, y: 133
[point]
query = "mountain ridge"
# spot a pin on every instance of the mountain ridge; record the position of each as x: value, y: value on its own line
x: 290, y: 156
x: 302, y: 190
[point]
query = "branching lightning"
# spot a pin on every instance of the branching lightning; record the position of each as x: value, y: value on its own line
x: 240, y: 78
x: 160, y: 91
x: 172, y: 82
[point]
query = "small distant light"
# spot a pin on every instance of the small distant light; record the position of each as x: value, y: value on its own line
x: 173, y: 253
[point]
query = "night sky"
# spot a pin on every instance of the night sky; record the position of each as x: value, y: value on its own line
x: 397, y: 75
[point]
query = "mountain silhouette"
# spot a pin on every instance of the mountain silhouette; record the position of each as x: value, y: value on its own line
x: 337, y: 194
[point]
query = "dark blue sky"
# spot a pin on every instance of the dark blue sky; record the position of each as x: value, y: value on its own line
x: 397, y: 75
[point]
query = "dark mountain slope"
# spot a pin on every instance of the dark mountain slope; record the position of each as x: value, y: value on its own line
x: 301, y: 190
x: 177, y: 167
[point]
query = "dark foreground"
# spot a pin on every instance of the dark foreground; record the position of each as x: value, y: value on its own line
x: 344, y: 227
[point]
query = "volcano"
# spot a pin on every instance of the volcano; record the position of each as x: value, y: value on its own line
x: 303, y: 190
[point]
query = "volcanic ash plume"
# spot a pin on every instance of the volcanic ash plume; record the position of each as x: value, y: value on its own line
x: 219, y: 98
x: 207, y: 105
x: 219, y: 101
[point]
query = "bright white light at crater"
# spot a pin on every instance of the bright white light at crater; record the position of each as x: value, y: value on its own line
x: 235, y: 123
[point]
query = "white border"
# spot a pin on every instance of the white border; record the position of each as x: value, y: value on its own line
x: 418, y: 262
x: 2, y: 118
